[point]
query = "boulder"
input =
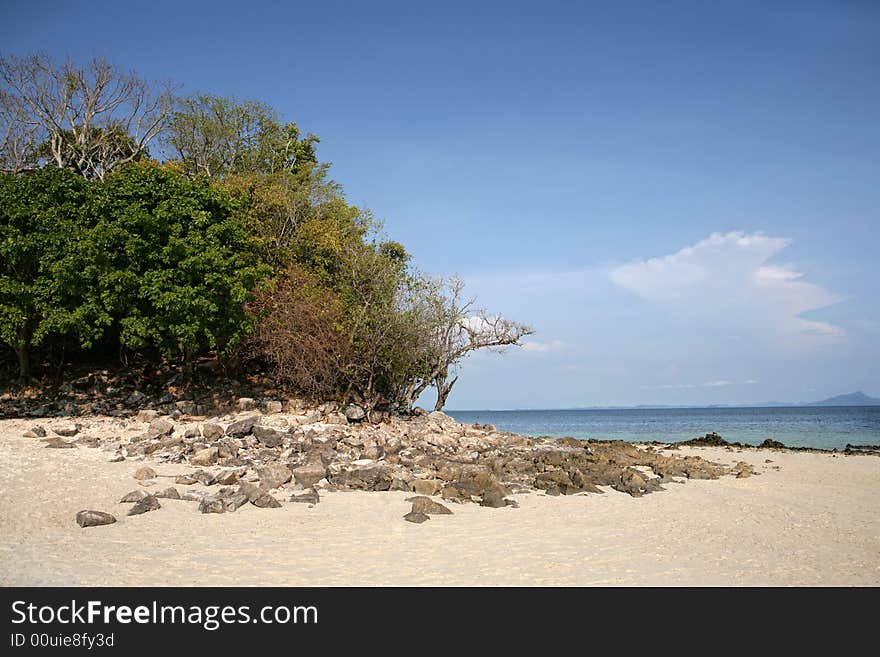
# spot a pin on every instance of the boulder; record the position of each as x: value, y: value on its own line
x: 273, y: 407
x: 212, y: 431
x: 144, y: 472
x: 160, y: 427
x: 66, y: 430
x: 149, y: 503
x: 493, y: 500
x: 273, y: 475
x: 35, y: 431
x: 185, y: 480
x: 146, y: 416
x: 354, y: 413
x: 769, y: 443
x: 425, y: 486
x: 251, y: 491
x: 242, y: 427
x: 229, y: 477
x: 194, y: 495
x: 309, y: 474
x: 426, y: 505
x: 87, y: 518
x: 308, y: 497
x: 134, y: 496
x: 204, y: 477
x: 245, y: 404
x: 266, y: 501
x: 267, y: 436
x: 335, y: 418
x: 207, y: 456
x: 234, y: 501
x: 417, y: 518
x: 212, y: 504
x: 169, y: 493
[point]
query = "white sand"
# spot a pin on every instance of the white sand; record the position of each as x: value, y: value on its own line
x: 815, y: 521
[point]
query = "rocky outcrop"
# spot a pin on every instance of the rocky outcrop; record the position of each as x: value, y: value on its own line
x: 300, y: 451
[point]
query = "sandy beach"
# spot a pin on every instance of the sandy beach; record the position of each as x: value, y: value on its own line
x: 806, y: 519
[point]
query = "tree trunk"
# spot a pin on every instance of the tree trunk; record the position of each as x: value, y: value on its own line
x: 24, y: 362
x: 443, y: 390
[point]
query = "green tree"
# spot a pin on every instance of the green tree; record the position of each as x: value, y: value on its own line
x: 219, y: 136
x: 177, y: 267
x: 44, y: 290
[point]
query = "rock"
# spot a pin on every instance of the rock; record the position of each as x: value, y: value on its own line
x: 234, y: 501
x: 146, y: 416
x: 144, y: 472
x: 229, y: 477
x: 309, y: 474
x: 186, y: 407
x: 118, y: 458
x: 273, y: 407
x: 134, y: 496
x: 709, y: 440
x: 743, y: 470
x: 212, y: 431
x: 35, y: 431
x: 67, y: 430
x: 251, y: 491
x: 94, y: 518
x: 245, y: 404
x: 769, y: 443
x: 266, y: 501
x: 354, y: 413
x: 268, y: 436
x: 204, y: 477
x: 493, y: 499
x: 425, y: 486
x: 135, y: 398
x: 309, y: 497
x: 185, y: 480
x: 633, y: 482
x: 212, y: 504
x: 273, y: 475
x: 56, y: 443
x: 243, y: 427
x: 417, y: 518
x: 335, y: 418
x: 169, y: 493
x: 426, y: 505
x: 207, y: 456
x: 160, y: 427
x: 149, y: 503
x: 194, y: 495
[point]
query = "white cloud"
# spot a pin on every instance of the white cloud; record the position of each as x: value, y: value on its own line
x: 726, y: 280
x: 533, y: 346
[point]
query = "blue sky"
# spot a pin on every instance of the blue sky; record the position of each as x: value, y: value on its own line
x: 681, y: 197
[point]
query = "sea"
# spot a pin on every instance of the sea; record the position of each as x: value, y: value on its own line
x: 824, y: 427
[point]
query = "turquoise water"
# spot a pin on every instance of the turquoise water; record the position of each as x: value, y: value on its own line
x: 825, y: 427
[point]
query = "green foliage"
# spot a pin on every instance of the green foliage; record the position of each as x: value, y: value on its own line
x: 176, y: 266
x: 44, y: 230
x: 222, y: 136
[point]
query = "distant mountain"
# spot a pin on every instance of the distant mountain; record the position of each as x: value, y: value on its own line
x: 852, y: 399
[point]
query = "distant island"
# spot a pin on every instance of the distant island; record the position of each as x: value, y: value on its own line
x: 852, y: 399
